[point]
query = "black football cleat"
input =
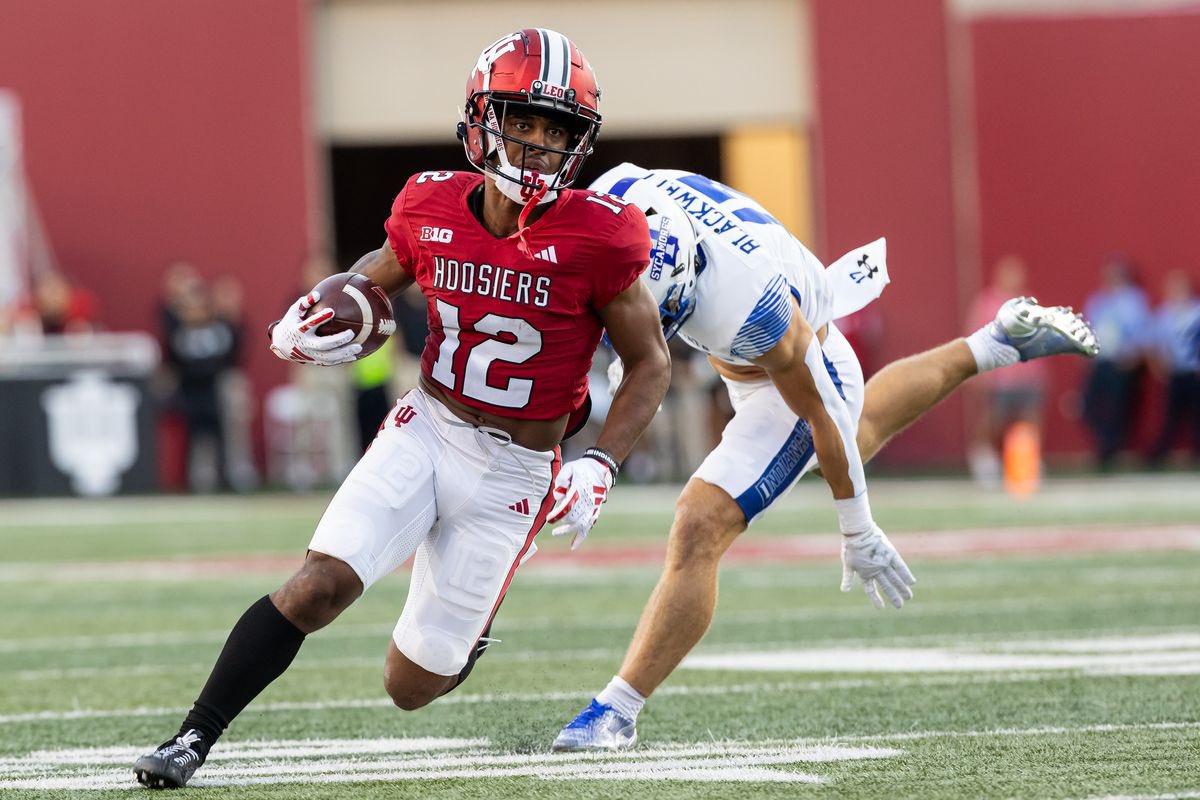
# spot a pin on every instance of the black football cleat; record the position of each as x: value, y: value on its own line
x: 173, y: 763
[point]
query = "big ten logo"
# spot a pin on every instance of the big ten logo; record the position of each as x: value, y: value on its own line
x: 425, y: 177
x: 431, y: 234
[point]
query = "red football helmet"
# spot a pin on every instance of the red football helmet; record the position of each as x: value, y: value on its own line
x: 541, y: 71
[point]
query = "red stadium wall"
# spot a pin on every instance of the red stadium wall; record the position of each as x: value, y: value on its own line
x: 884, y: 169
x: 159, y: 131
x: 1087, y: 134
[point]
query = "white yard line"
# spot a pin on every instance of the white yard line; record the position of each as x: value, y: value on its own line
x: 855, y: 608
x: 580, y: 696
x: 1129, y: 653
x: 349, y: 760
x: 398, y: 760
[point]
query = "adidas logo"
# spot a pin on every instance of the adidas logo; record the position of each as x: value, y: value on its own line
x: 521, y: 506
x: 547, y: 255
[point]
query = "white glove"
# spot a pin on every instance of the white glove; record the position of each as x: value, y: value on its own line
x: 579, y: 490
x: 875, y: 561
x: 295, y: 338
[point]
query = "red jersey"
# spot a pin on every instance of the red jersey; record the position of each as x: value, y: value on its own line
x: 513, y: 333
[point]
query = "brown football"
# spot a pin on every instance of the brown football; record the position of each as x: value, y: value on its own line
x: 359, y: 304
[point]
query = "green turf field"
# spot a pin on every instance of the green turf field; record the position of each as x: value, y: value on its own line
x: 1068, y: 666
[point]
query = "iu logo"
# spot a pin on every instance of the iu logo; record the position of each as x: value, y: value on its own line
x: 539, y: 186
x: 404, y: 415
x: 92, y: 423
x: 506, y: 44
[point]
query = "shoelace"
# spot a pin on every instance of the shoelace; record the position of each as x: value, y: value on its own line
x: 488, y: 641
x: 588, y: 715
x: 181, y: 749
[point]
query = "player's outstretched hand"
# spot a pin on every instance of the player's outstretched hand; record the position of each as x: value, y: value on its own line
x: 874, y: 559
x: 579, y: 490
x: 295, y: 337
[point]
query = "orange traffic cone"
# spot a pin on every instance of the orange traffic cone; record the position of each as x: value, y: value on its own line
x: 1022, y: 457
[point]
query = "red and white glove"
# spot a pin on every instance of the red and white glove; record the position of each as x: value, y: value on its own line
x: 579, y: 490
x: 295, y: 337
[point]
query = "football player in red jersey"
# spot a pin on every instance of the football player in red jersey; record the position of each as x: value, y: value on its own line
x: 521, y: 276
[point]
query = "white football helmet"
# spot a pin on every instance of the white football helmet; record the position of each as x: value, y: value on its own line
x: 675, y: 255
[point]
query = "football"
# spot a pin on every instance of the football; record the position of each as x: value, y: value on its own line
x: 359, y: 304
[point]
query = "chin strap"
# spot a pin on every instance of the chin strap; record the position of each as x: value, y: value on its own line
x: 534, y: 201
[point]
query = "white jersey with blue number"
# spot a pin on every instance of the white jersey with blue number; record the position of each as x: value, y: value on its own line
x: 752, y: 266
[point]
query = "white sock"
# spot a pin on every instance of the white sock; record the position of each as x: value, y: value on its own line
x: 624, y: 698
x: 989, y: 351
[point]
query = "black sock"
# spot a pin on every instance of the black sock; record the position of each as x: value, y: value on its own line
x: 260, y: 647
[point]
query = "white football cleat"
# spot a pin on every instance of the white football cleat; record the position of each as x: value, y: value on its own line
x: 598, y: 727
x: 1039, y: 331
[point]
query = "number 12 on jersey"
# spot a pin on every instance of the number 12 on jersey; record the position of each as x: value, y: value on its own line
x: 527, y: 342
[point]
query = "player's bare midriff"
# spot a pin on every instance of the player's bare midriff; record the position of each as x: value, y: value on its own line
x: 532, y: 434
x: 742, y: 372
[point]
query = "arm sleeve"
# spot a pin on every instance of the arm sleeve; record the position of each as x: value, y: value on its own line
x: 814, y: 359
x: 623, y: 259
x: 767, y: 321
x: 399, y: 232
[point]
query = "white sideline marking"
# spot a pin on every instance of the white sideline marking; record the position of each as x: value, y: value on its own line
x: 1167, y: 654
x: 398, y: 759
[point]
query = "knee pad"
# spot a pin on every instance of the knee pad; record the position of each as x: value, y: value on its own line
x: 434, y: 650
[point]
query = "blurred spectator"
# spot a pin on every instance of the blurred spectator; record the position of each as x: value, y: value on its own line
x: 54, y: 306
x: 372, y: 381
x: 1175, y: 357
x: 180, y: 280
x: 1001, y: 396
x: 1119, y: 314
x: 233, y: 390
x: 412, y: 326
x: 200, y: 346
x: 680, y: 435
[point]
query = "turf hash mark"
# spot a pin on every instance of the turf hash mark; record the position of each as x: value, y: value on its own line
x: 355, y: 760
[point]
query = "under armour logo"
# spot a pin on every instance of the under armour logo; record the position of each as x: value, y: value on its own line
x: 865, y: 271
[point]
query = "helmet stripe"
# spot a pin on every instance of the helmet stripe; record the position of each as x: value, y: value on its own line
x: 556, y: 58
x: 545, y: 55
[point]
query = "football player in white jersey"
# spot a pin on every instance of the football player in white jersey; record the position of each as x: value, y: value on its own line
x: 732, y: 282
